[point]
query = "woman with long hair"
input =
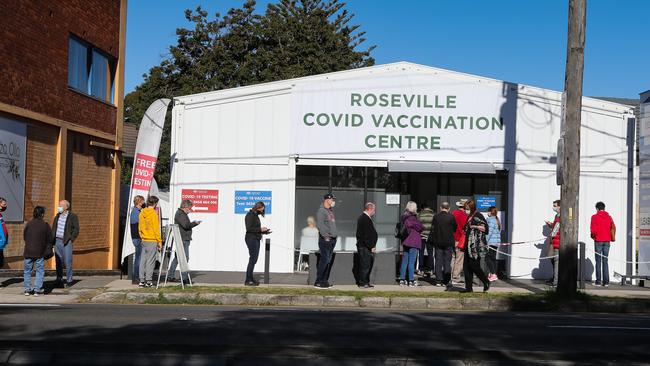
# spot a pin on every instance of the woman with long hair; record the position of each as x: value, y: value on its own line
x: 476, y: 228
x: 411, y: 244
x: 493, y: 241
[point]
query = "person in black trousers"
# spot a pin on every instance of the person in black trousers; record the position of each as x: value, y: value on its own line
x: 476, y: 228
x: 443, y: 228
x: 254, y: 231
x: 366, y: 242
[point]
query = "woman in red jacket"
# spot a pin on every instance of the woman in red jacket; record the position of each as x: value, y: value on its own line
x: 603, y: 231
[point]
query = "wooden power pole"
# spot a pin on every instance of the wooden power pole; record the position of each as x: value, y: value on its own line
x: 568, y: 261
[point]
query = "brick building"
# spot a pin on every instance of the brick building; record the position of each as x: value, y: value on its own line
x: 61, y: 104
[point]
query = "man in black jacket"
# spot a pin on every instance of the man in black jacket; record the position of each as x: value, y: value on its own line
x: 185, y: 227
x: 442, y: 237
x: 366, y: 242
x: 65, y: 230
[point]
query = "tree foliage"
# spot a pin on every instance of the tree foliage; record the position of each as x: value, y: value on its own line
x: 292, y: 38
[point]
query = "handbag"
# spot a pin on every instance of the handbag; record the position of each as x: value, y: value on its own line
x: 49, y: 251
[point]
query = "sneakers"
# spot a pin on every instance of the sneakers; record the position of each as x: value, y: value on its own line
x: 414, y: 284
x: 149, y: 284
x: 598, y: 283
x: 28, y: 292
x: 142, y: 284
x: 492, y: 277
x: 402, y: 283
x: 605, y: 284
x: 251, y: 283
x: 322, y: 285
x: 37, y: 293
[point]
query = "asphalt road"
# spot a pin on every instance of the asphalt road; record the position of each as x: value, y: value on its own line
x: 202, y: 335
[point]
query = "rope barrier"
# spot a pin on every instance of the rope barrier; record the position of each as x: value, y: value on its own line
x: 521, y: 242
x: 520, y: 257
x: 616, y: 260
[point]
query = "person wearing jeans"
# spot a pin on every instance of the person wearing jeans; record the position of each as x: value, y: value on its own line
x: 254, y: 232
x: 38, y: 236
x: 327, y: 234
x: 411, y: 244
x: 442, y: 236
x: 555, y: 242
x: 603, y: 231
x: 138, y: 205
x: 65, y: 229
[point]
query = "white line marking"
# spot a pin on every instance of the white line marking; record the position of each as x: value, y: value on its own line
x: 30, y: 305
x: 595, y: 327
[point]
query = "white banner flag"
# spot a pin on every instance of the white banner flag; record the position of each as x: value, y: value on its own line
x: 144, y: 163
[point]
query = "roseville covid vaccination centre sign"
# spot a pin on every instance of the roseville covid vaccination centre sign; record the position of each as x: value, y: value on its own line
x: 390, y: 134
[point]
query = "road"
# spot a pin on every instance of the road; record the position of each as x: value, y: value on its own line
x: 202, y: 335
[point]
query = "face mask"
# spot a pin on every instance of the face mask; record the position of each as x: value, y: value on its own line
x: 144, y: 205
x: 60, y: 209
x: 468, y: 211
x: 3, y: 209
x: 556, y: 209
x: 333, y: 203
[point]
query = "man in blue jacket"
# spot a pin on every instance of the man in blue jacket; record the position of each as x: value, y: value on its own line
x: 4, y: 233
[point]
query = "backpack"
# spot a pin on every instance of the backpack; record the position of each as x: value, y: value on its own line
x: 401, y: 232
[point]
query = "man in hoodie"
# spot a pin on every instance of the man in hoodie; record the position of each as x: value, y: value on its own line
x: 327, y: 234
x: 65, y: 230
x: 4, y: 233
x: 185, y: 227
x: 149, y: 227
x: 603, y: 231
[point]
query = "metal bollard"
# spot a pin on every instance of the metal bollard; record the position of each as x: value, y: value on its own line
x: 267, y: 258
x: 581, y: 265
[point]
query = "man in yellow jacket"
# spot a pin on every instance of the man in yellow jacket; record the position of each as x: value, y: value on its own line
x: 149, y: 228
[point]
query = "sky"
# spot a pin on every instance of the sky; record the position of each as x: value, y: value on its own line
x: 521, y: 41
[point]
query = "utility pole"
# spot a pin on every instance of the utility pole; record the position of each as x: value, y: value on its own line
x: 570, y: 190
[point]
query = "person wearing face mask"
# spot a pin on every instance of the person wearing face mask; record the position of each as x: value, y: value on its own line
x: 476, y: 228
x: 254, y: 232
x: 366, y: 244
x: 134, y: 219
x: 459, y: 240
x: 327, y: 234
x: 185, y: 227
x: 149, y: 228
x: 4, y: 233
x: 493, y: 240
x: 65, y: 230
x: 555, y: 242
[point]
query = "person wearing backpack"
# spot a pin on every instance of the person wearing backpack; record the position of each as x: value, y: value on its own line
x: 603, y: 231
x: 411, y: 244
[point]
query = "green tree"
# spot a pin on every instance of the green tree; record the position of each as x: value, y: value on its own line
x: 292, y: 38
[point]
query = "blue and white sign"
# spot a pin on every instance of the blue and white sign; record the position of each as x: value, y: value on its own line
x: 244, y: 200
x: 485, y: 202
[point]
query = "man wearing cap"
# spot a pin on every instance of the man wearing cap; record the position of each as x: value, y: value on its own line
x: 185, y: 227
x: 459, y: 238
x: 327, y: 234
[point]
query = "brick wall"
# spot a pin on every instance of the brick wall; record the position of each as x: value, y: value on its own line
x: 88, y: 188
x: 40, y: 163
x: 34, y: 62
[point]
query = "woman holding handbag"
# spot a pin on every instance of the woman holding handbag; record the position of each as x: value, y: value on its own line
x: 38, y: 241
x: 476, y: 228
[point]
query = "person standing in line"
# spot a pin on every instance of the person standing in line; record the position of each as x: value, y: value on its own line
x: 442, y: 237
x: 149, y: 228
x: 65, y: 230
x: 4, y: 233
x: 459, y: 240
x: 254, y: 232
x: 426, y: 218
x: 138, y: 205
x: 411, y: 245
x: 38, y: 235
x: 555, y: 242
x: 493, y: 240
x: 185, y: 227
x: 476, y: 228
x: 603, y: 231
x: 366, y: 243
x: 327, y: 234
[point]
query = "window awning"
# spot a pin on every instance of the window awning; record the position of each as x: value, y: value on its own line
x: 441, y: 167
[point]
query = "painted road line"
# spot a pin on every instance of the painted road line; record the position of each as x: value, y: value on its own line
x: 30, y: 305
x: 596, y: 327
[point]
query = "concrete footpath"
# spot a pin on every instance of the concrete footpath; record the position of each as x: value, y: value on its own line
x: 290, y: 292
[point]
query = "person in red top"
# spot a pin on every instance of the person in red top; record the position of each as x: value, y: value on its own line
x: 555, y: 241
x: 4, y: 233
x: 461, y: 218
x: 603, y: 231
